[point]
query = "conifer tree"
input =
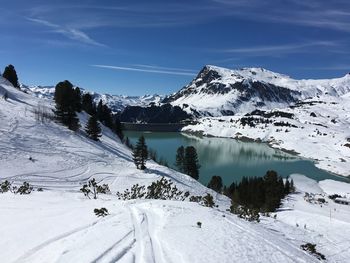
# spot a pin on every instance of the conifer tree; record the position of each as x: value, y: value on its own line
x: 65, y: 105
x: 93, y: 128
x: 287, y: 187
x: 77, y: 100
x: 215, y: 183
x: 99, y: 110
x: 191, y: 165
x: 180, y: 159
x: 292, y: 187
x: 88, y: 104
x: 118, y: 128
x: 11, y: 75
x: 272, y: 191
x: 140, y: 153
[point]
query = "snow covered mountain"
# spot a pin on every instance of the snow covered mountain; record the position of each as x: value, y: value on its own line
x: 116, y: 103
x: 58, y: 224
x: 218, y: 91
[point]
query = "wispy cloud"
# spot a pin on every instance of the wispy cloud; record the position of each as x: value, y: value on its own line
x: 71, y: 33
x: 149, y: 69
x: 163, y: 68
x: 312, y: 13
x: 280, y: 49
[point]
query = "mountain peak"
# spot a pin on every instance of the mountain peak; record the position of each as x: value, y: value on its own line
x: 220, y: 91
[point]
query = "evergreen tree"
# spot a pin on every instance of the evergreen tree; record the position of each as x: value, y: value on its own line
x: 93, y: 128
x: 11, y: 75
x: 65, y: 105
x: 272, y: 191
x: 77, y: 100
x: 99, y: 111
x: 88, y: 104
x: 180, y: 159
x: 287, y: 187
x: 140, y: 153
x: 281, y: 187
x: 191, y: 164
x: 128, y: 143
x: 215, y: 183
x: 118, y: 128
x: 292, y: 187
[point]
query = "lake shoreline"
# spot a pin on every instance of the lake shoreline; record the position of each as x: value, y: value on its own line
x: 271, y: 145
x: 232, y: 158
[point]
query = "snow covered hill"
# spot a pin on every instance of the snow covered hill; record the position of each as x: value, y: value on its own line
x: 58, y: 224
x: 116, y: 103
x: 316, y: 129
x: 218, y: 91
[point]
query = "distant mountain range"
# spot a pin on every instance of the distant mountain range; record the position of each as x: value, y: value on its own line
x: 217, y: 91
x: 116, y: 102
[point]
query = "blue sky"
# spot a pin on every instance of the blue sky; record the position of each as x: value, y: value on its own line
x: 157, y: 46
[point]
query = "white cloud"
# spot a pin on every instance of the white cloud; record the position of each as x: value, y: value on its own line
x: 279, y: 49
x: 158, y: 70
x: 71, y: 33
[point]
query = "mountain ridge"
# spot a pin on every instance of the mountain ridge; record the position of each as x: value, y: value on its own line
x: 116, y: 103
x: 218, y: 91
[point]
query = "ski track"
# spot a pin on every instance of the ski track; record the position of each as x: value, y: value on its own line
x: 292, y: 256
x: 36, y: 249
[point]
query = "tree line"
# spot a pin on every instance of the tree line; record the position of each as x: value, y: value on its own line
x: 263, y: 194
x: 69, y: 100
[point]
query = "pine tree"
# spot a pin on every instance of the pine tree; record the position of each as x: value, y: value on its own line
x: 272, y: 191
x: 77, y: 100
x: 88, y: 104
x: 93, y: 128
x: 99, y: 111
x: 118, y: 128
x: 180, y: 159
x: 11, y: 75
x: 292, y: 187
x: 215, y: 183
x: 191, y: 164
x: 140, y: 153
x: 65, y: 105
x: 287, y: 187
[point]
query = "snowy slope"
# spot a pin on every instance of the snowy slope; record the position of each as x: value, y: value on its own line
x: 115, y: 102
x: 58, y: 224
x: 218, y: 91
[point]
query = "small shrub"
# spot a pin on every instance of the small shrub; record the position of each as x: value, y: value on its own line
x: 136, y: 192
x: 311, y: 248
x: 103, y: 189
x: 161, y: 189
x: 164, y: 189
x: 5, y: 186
x: 334, y: 196
x: 24, y: 189
x: 196, y: 199
x: 208, y: 201
x: 92, y: 188
x: 102, y: 212
x: 245, y: 212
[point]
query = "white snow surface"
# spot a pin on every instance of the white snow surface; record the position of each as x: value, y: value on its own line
x: 58, y: 224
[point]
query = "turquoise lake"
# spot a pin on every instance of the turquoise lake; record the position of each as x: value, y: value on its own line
x: 231, y: 159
